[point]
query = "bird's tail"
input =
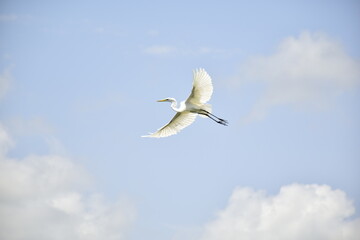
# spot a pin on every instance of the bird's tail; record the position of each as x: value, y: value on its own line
x: 206, y: 107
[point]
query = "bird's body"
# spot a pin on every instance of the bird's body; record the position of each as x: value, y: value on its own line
x: 195, y: 104
x: 187, y: 106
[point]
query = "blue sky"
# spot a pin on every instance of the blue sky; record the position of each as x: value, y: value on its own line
x: 78, y: 87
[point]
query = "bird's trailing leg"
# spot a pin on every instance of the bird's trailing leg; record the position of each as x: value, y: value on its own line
x: 213, y: 117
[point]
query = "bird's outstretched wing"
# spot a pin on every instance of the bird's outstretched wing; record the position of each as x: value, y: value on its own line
x: 202, y: 88
x: 180, y: 121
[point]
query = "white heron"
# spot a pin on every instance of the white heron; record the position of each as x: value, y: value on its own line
x: 195, y: 104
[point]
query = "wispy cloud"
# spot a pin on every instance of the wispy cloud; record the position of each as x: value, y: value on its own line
x: 298, y: 211
x: 169, y: 50
x: 30, y: 126
x: 5, y: 142
x: 12, y: 17
x: 305, y: 71
x: 48, y: 197
x: 8, y: 17
x: 37, y: 128
x: 102, y: 102
x: 153, y: 33
x: 160, y: 50
x: 5, y: 80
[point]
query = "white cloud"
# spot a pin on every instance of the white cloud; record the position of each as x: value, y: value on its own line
x: 48, y: 197
x: 312, y: 212
x: 307, y: 71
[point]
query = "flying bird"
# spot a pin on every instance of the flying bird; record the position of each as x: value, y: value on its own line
x: 195, y: 104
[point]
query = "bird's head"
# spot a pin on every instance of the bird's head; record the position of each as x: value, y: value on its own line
x: 167, y: 100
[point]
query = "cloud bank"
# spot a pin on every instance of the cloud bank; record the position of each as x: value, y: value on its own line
x: 47, y: 197
x: 306, y: 72
x: 297, y: 212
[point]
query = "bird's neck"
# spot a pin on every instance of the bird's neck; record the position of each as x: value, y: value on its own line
x: 174, y: 105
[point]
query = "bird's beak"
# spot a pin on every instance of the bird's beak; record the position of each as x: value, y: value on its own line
x: 163, y: 100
